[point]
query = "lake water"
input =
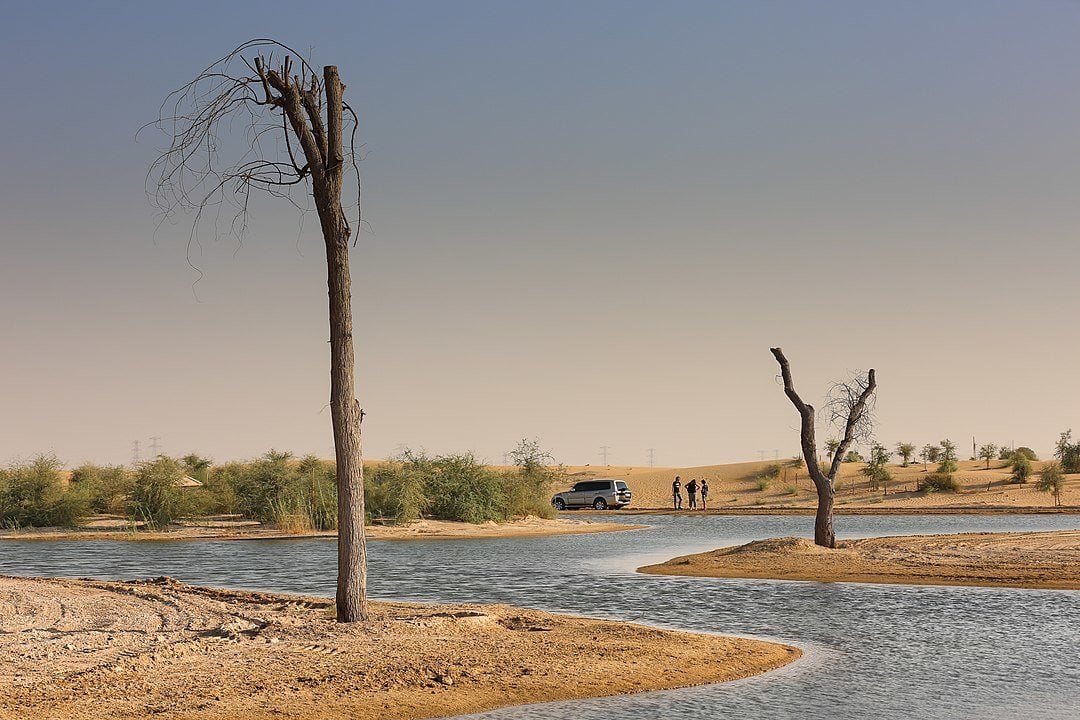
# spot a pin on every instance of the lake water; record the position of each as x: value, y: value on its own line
x: 872, y: 651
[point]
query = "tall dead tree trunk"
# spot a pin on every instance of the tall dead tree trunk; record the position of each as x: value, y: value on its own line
x: 854, y: 425
x: 191, y: 176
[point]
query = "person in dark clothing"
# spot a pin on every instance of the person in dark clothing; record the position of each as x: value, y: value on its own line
x: 691, y: 493
x: 704, y: 494
x: 676, y: 493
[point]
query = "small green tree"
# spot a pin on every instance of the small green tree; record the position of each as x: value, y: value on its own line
x: 929, y: 454
x: 156, y: 498
x: 1021, y: 467
x: 988, y: 452
x: 196, y: 466
x: 1068, y: 453
x: 1052, y: 480
x: 947, y: 460
x: 853, y: 456
x: 906, y: 451
x: 831, y: 445
x: 1004, y: 452
x: 1026, y: 452
x: 876, y: 470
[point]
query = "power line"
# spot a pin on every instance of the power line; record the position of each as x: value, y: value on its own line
x: 155, y: 445
x: 135, y: 453
x: 604, y: 452
x: 652, y: 457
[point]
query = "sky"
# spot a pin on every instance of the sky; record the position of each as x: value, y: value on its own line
x: 589, y: 222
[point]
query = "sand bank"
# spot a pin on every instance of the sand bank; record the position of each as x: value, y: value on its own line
x: 1048, y: 560
x: 87, y: 649
x: 248, y: 530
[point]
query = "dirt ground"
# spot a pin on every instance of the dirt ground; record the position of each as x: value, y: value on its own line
x: 111, y: 529
x: 736, y: 487
x: 80, y: 649
x: 1049, y: 560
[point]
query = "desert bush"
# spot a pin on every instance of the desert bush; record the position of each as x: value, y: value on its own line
x: 1068, y: 453
x: 156, y: 496
x: 33, y: 494
x: 1025, y: 451
x: 1052, y: 480
x: 947, y: 458
x: 461, y: 488
x: 853, y: 456
x: 1021, y: 467
x: 939, y: 482
x: 792, y: 490
x: 762, y: 484
x: 106, y: 487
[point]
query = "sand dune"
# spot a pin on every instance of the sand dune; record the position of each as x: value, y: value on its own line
x: 736, y: 486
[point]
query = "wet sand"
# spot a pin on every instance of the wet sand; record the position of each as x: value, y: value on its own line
x: 1043, y: 560
x: 82, y: 650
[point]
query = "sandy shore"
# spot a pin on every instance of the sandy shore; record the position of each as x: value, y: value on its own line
x: 85, y: 649
x: 1049, y: 560
x: 420, y: 530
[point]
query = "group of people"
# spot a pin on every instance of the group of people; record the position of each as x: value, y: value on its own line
x: 692, y: 489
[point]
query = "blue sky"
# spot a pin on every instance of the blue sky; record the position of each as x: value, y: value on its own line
x: 590, y: 222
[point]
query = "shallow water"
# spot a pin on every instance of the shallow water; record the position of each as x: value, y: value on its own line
x: 872, y: 651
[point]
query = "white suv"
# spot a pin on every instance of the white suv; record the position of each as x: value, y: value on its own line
x: 597, y: 494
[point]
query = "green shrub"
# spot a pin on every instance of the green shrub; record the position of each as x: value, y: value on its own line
x: 939, y: 482
x: 762, y: 484
x: 1052, y: 480
x: 34, y: 495
x: 771, y: 471
x: 107, y: 488
x: 1026, y: 452
x: 854, y: 457
x: 1021, y: 467
x: 463, y: 489
x: 156, y: 497
x: 1068, y: 453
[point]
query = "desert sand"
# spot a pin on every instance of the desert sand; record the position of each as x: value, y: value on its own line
x: 252, y: 530
x: 735, y: 487
x: 84, y: 649
x: 1049, y: 560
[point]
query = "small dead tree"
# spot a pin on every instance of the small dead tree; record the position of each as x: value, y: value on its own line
x: 287, y: 126
x: 850, y: 408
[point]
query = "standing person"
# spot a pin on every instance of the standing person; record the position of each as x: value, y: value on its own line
x: 676, y: 493
x: 691, y: 493
x: 704, y: 494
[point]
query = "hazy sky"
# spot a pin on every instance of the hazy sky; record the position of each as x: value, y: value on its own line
x: 591, y: 221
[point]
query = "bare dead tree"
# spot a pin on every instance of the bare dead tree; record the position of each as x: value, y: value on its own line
x: 249, y: 123
x: 850, y: 407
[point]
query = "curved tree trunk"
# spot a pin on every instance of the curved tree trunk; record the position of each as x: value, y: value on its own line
x: 824, y: 535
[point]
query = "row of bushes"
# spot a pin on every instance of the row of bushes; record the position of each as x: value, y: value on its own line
x: 276, y: 488
x: 457, y: 487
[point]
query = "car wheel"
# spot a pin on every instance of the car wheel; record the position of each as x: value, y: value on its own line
x: 600, y: 504
x: 560, y: 504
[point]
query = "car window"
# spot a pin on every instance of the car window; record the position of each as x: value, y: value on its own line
x: 620, y: 485
x: 578, y: 487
